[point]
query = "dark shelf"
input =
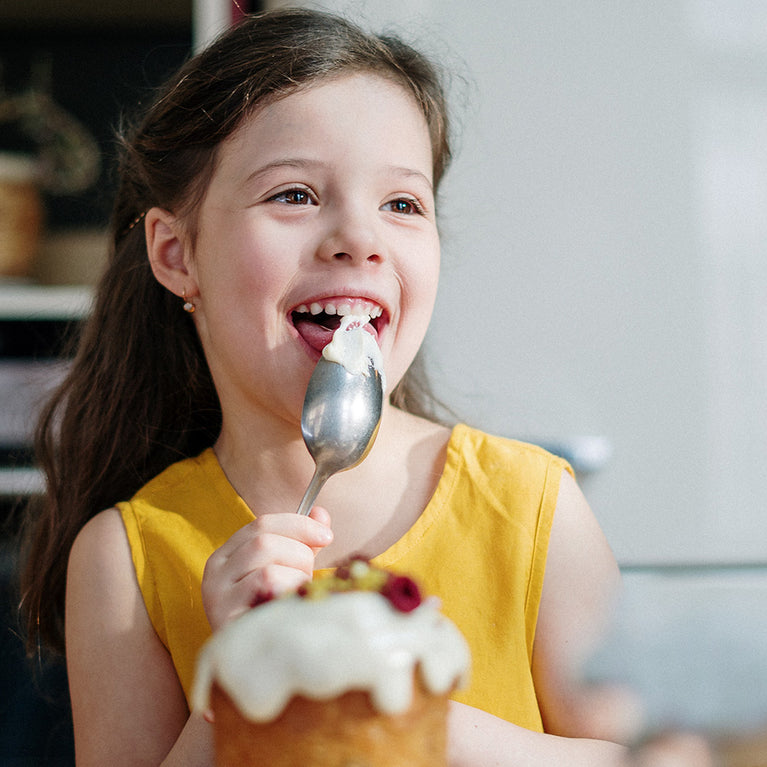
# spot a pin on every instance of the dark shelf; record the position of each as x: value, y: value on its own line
x: 98, y: 74
x: 85, y: 14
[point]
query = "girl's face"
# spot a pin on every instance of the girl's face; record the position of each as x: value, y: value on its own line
x: 320, y: 204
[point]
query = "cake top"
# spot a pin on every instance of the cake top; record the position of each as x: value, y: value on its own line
x: 361, y: 629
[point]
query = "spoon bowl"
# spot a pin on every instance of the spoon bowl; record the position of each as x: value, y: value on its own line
x: 339, y: 421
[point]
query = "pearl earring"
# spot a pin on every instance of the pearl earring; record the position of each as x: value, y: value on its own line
x: 188, y: 305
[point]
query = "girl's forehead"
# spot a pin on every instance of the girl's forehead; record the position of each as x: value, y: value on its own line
x: 339, y: 98
x: 344, y: 110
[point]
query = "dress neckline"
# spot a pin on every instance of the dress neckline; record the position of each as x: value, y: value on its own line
x: 430, y: 514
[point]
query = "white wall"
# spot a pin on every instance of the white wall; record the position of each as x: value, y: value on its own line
x: 604, y: 238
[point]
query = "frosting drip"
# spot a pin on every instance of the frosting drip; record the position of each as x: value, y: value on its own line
x: 322, y: 648
x: 355, y: 348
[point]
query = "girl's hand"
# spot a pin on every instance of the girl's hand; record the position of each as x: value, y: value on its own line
x: 674, y: 750
x: 271, y: 555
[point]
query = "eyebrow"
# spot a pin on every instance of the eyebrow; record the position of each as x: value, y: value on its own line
x: 306, y: 163
x: 411, y: 173
x: 288, y: 162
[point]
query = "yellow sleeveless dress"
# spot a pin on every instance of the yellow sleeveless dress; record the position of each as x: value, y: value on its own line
x: 480, y: 546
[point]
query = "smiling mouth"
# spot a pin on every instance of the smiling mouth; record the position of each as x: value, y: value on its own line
x: 316, y: 322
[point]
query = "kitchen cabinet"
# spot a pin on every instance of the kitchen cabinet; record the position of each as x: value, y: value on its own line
x: 35, y: 323
x: 95, y: 60
x: 75, y: 14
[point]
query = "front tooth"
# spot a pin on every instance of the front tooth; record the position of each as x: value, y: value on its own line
x: 330, y: 309
x: 315, y: 308
x: 344, y: 309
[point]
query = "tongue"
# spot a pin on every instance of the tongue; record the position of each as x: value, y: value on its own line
x: 317, y: 336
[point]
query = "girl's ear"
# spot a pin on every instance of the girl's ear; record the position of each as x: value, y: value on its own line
x: 169, y: 257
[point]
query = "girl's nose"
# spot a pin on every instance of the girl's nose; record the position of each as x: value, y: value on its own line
x: 352, y: 238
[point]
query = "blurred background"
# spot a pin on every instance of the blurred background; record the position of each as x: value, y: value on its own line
x: 604, y: 234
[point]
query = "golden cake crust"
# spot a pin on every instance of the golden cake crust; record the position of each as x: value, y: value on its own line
x: 346, y: 731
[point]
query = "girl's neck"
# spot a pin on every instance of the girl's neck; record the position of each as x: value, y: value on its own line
x: 371, y: 505
x: 263, y: 461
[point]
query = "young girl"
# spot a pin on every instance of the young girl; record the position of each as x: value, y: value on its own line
x: 288, y: 175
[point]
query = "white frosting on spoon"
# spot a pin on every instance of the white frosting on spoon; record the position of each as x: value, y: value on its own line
x: 354, y: 348
x: 322, y: 648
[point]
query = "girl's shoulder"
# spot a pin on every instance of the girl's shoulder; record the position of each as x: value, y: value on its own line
x: 504, y: 454
x: 100, y: 571
x: 101, y: 535
x: 112, y: 645
x: 100, y: 557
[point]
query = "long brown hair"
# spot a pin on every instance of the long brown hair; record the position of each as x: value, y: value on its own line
x: 139, y: 395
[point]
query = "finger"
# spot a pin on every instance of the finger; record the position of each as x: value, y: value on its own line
x: 679, y: 749
x: 257, y: 587
x: 305, y: 529
x: 269, y: 582
x: 225, y: 604
x: 228, y: 585
x: 321, y: 515
x: 268, y: 549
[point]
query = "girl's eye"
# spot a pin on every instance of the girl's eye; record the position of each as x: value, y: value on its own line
x: 404, y: 205
x: 293, y: 197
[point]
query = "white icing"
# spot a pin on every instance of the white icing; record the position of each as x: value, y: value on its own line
x: 321, y: 648
x: 354, y: 348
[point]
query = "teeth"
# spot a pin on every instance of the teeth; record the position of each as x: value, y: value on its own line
x: 342, y: 308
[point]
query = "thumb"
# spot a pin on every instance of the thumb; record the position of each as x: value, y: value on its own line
x: 320, y: 514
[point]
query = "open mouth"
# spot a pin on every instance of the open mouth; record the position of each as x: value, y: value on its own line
x: 316, y: 322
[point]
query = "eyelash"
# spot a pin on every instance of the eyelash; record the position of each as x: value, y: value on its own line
x: 288, y: 196
x: 415, y: 204
x: 292, y: 193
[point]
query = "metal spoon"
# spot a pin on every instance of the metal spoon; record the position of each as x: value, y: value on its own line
x: 339, y: 421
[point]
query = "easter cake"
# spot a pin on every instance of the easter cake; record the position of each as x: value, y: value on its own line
x: 353, y: 670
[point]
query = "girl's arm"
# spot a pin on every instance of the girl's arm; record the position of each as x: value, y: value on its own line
x: 479, y: 739
x: 127, y: 702
x: 580, y: 584
x: 580, y: 588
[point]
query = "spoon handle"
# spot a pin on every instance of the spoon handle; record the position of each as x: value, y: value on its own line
x: 318, y: 480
